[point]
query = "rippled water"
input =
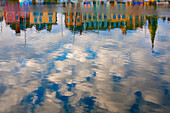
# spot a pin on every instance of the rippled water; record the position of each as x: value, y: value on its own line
x: 74, y: 58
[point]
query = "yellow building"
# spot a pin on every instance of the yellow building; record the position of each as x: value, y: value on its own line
x: 42, y: 17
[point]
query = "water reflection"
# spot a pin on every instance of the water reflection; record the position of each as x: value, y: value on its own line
x: 77, y: 58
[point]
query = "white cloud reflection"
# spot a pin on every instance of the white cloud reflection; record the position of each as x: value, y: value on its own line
x: 122, y: 65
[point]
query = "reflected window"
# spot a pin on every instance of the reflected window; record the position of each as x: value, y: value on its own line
x: 114, y: 24
x: 94, y: 17
x: 123, y: 16
x: 90, y: 24
x: 85, y: 24
x: 50, y: 13
x: 123, y: 5
x: 78, y: 19
x: 34, y: 14
x: 100, y: 24
x: 131, y: 21
x: 136, y: 22
x: 85, y: 17
x: 90, y: 17
x: 119, y: 16
x: 105, y: 16
x: 123, y: 23
x: 105, y: 23
x: 40, y: 19
x: 114, y: 16
x: 16, y: 18
x: 41, y: 14
x: 50, y: 19
x: 35, y: 20
x: 68, y: 13
x: 68, y: 19
x: 136, y: 17
x: 131, y: 17
x: 95, y: 24
x: 100, y: 17
x: 119, y: 24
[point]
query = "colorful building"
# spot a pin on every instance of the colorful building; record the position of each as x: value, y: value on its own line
x: 43, y: 20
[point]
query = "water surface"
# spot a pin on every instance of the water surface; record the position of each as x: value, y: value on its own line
x: 76, y: 58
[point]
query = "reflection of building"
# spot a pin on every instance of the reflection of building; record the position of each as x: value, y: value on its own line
x: 2, y: 2
x: 25, y: 1
x: 1, y: 16
x: 135, y: 21
x: 104, y: 21
x: 18, y: 17
x: 1, y: 19
x: 73, y: 20
x: 153, y: 23
x: 39, y: 1
x: 44, y: 1
x: 43, y: 19
x: 141, y: 2
x: 14, y: 17
x: 168, y: 19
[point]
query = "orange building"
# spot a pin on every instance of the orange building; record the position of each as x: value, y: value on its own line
x: 42, y: 17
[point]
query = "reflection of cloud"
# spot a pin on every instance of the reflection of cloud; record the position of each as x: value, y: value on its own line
x: 69, y: 78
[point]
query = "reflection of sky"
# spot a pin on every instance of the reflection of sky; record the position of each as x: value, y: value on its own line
x: 99, y: 72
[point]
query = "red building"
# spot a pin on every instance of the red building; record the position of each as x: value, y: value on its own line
x: 12, y: 12
x: 15, y: 17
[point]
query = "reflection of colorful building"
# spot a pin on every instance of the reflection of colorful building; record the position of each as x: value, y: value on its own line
x: 44, y: 1
x: 2, y: 2
x: 43, y: 19
x: 168, y: 19
x: 25, y: 1
x: 140, y: 2
x: 39, y: 1
x: 14, y: 17
x: 135, y: 21
x: 1, y: 16
x: 153, y: 23
x: 73, y: 18
x: 104, y: 21
x: 118, y: 18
